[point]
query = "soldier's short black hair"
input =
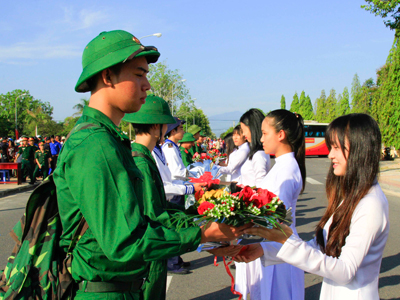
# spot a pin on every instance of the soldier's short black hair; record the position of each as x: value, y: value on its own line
x: 142, y: 128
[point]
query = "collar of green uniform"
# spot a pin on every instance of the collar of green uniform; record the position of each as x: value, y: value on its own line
x: 143, y: 149
x: 103, y: 119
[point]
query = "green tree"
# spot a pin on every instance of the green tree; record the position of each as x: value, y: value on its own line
x: 192, y: 115
x: 385, y: 9
x: 230, y: 129
x: 80, y: 106
x: 283, y: 102
x: 295, y: 106
x: 390, y: 97
x: 308, y: 112
x: 378, y: 102
x: 35, y: 119
x: 301, y: 103
x: 331, y: 104
x: 168, y: 84
x: 6, y: 127
x: 24, y: 103
x: 320, y: 108
x: 355, y: 93
x: 343, y: 103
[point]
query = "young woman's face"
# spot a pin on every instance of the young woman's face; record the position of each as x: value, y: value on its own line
x: 246, y: 132
x: 238, y: 139
x: 339, y: 160
x: 270, y: 138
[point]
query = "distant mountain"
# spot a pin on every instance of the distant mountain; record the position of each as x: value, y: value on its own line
x: 220, y: 123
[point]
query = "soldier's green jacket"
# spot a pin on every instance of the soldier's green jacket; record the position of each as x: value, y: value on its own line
x: 155, y: 208
x: 43, y: 157
x: 28, y: 152
x: 196, y: 148
x: 186, y: 156
x: 96, y: 177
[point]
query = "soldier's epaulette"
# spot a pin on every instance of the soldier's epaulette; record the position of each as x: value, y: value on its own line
x: 37, y: 150
x: 170, y: 145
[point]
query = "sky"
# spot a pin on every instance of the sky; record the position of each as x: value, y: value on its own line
x: 234, y: 55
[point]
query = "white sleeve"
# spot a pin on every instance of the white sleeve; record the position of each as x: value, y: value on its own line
x: 261, y: 165
x: 271, y: 250
x: 175, y: 163
x: 369, y: 223
x: 236, y: 160
x: 171, y: 187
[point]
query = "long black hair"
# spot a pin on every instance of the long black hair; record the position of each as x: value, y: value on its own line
x: 253, y: 119
x: 345, y: 192
x: 230, y: 145
x: 293, y: 126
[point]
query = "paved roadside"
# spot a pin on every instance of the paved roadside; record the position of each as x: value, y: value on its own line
x: 389, y: 177
x: 13, y: 188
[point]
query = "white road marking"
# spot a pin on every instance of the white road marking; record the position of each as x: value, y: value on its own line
x: 169, y: 278
x: 312, y: 181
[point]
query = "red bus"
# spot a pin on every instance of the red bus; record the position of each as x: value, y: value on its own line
x: 315, y: 138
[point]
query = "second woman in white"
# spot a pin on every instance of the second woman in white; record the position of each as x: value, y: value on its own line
x: 238, y: 157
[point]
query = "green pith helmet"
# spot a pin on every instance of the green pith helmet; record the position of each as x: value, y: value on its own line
x: 194, y: 129
x: 154, y: 111
x: 108, y: 49
x: 202, y: 133
x: 187, y: 137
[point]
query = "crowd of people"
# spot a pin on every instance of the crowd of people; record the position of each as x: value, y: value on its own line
x: 130, y: 195
x: 37, y: 155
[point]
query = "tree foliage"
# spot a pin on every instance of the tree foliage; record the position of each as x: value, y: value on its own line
x: 307, y: 111
x: 389, y: 10
x: 167, y: 84
x: 283, y: 102
x: 295, y: 106
x: 343, y: 103
x: 320, y: 108
x: 29, y: 111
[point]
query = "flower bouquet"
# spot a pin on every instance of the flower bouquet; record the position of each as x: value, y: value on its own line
x: 247, y: 205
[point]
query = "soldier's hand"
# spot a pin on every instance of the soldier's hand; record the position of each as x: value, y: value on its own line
x: 198, y: 186
x: 219, y: 232
x: 226, y: 251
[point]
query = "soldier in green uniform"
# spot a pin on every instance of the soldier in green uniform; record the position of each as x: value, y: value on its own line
x: 195, y: 130
x: 97, y: 179
x: 186, y: 143
x: 27, y: 153
x: 42, y: 158
x: 150, y: 125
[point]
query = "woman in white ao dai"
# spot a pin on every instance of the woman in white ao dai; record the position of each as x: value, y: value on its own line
x: 285, y: 180
x: 351, y: 236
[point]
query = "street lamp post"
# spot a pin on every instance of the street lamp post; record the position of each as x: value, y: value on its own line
x: 16, y: 119
x: 172, y: 91
x: 154, y: 34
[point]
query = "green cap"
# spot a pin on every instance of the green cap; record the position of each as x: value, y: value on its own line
x: 187, y: 137
x: 202, y: 133
x: 154, y: 111
x: 108, y: 49
x: 194, y: 129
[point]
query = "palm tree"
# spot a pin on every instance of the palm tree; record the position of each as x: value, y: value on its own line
x: 36, y: 116
x: 80, y: 106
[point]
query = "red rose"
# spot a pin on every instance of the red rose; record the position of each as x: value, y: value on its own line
x: 204, y: 207
x: 246, y: 193
x: 263, y: 198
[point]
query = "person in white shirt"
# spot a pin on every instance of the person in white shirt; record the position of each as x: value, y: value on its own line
x: 351, y: 236
x: 237, y: 157
x: 173, y: 173
x: 283, y: 135
x: 257, y: 165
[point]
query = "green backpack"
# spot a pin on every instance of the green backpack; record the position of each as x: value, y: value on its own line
x: 37, y: 267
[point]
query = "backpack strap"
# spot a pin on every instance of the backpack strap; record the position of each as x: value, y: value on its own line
x: 79, y: 232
